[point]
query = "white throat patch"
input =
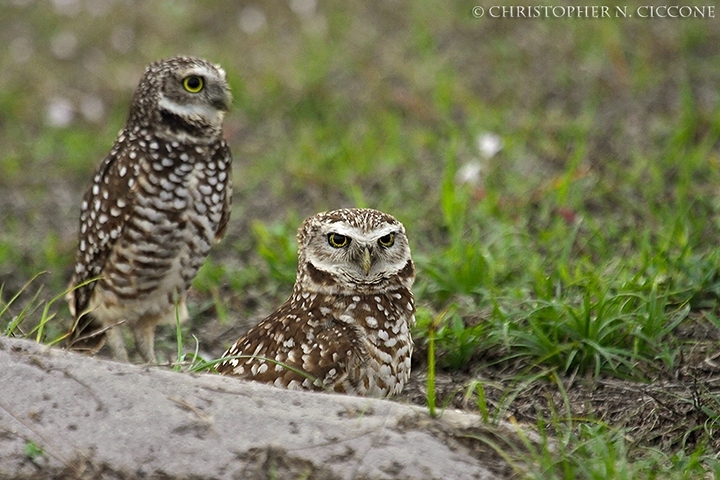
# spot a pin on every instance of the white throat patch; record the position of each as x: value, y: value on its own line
x: 192, y: 112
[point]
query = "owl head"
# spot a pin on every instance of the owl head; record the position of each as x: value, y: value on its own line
x: 185, y: 92
x: 350, y: 251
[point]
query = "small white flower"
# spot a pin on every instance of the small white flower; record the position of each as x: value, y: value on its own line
x: 489, y: 144
x: 59, y: 112
x: 470, y: 173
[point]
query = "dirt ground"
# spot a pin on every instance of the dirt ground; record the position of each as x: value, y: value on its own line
x: 667, y: 412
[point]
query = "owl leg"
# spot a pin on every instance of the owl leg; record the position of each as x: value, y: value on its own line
x: 116, y: 342
x: 144, y: 332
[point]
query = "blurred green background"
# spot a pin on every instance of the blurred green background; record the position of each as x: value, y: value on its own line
x: 523, y: 155
x: 559, y: 178
x: 514, y: 150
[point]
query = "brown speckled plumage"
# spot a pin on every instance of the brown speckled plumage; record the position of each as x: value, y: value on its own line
x: 156, y: 204
x: 347, y: 323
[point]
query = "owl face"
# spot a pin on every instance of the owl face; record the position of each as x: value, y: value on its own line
x: 198, y: 92
x: 361, y: 249
x: 187, y: 94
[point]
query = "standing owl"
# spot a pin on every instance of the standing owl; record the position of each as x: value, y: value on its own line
x: 155, y: 206
x: 346, y: 327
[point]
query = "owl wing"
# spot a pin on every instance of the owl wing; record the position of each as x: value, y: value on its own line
x: 288, y: 351
x: 106, y: 207
x: 224, y: 157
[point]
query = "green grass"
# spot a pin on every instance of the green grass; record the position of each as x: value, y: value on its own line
x: 33, y: 452
x: 586, y: 248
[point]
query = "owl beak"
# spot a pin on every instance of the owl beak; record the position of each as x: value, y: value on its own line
x: 223, y: 103
x: 366, y: 261
x: 221, y: 99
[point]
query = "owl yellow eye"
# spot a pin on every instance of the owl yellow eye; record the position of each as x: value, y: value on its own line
x: 387, y: 240
x: 193, y: 83
x: 338, y: 241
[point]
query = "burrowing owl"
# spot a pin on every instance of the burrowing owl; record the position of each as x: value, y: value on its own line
x: 156, y: 204
x: 347, y: 323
